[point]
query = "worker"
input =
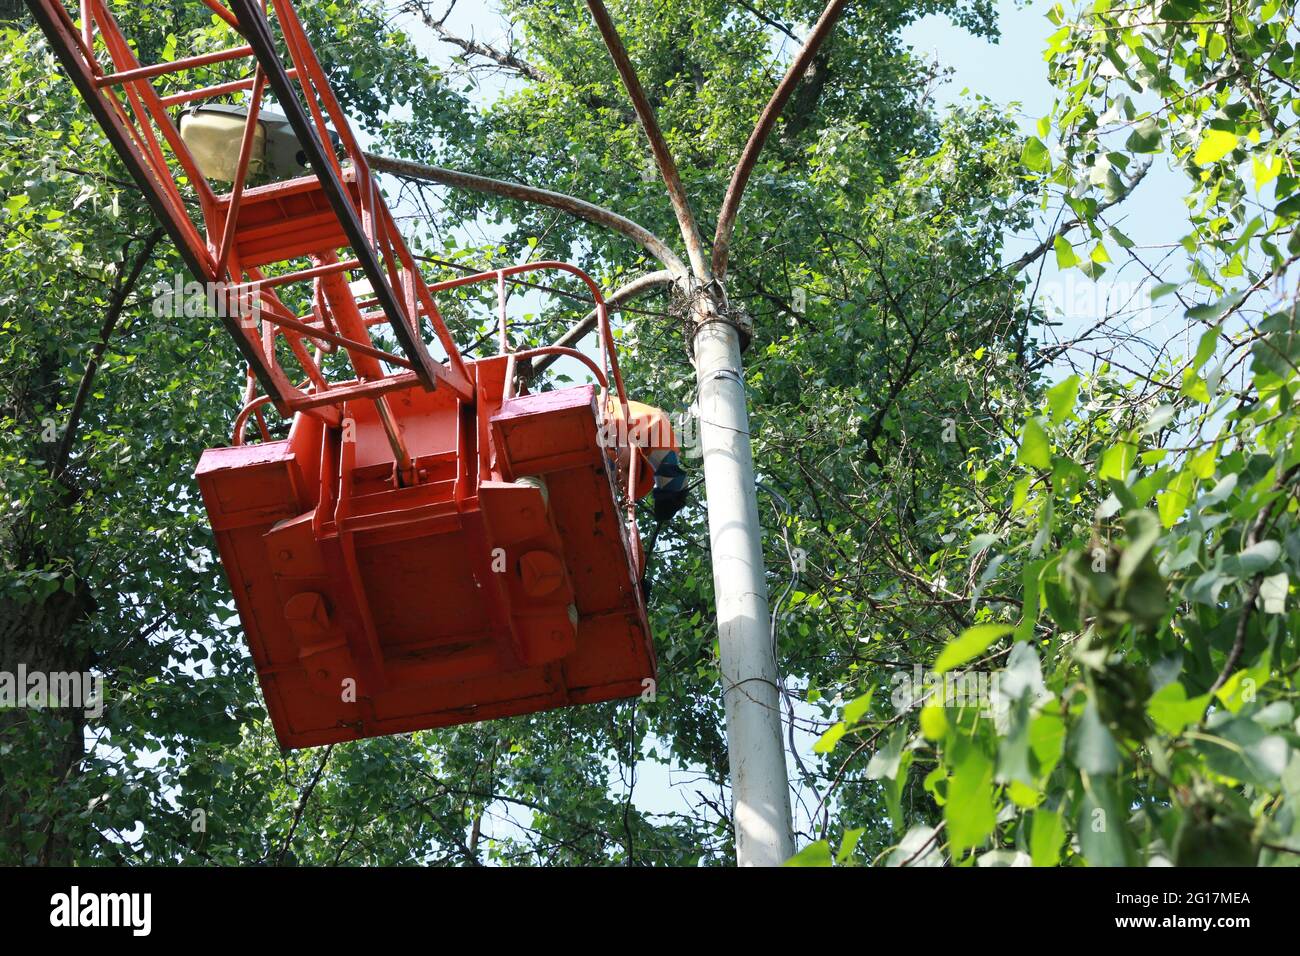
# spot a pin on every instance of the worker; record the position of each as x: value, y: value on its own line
x: 659, y: 470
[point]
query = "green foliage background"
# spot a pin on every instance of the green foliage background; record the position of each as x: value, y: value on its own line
x: 1117, y: 546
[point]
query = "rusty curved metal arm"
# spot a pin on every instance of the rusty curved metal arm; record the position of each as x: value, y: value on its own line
x: 580, y: 208
x: 768, y: 118
x: 658, y: 145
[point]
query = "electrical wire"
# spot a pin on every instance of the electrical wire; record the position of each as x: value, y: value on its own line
x: 780, y: 501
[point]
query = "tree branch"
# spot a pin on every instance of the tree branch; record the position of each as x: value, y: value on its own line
x: 503, y: 58
x: 60, y: 463
x: 768, y: 118
x: 302, y: 803
x: 1253, y: 538
x: 1039, y: 250
x: 774, y: 24
x: 658, y: 145
x: 545, y: 197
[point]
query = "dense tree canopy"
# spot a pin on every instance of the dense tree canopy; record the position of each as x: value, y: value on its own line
x: 943, y: 490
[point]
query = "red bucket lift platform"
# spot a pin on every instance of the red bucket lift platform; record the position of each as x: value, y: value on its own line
x: 426, y: 547
x: 503, y: 583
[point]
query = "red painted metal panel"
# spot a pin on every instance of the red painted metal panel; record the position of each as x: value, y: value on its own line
x: 385, y: 609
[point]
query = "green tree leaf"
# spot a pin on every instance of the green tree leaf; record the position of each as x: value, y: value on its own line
x: 1035, y: 449
x: 1093, y: 749
x: 1214, y: 145
x: 1061, y: 398
x: 970, y: 644
x: 1035, y: 156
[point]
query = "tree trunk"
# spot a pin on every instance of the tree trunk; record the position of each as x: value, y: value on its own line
x: 47, y: 745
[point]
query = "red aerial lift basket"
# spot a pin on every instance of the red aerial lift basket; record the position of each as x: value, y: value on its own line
x: 503, y: 582
x: 427, y: 547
